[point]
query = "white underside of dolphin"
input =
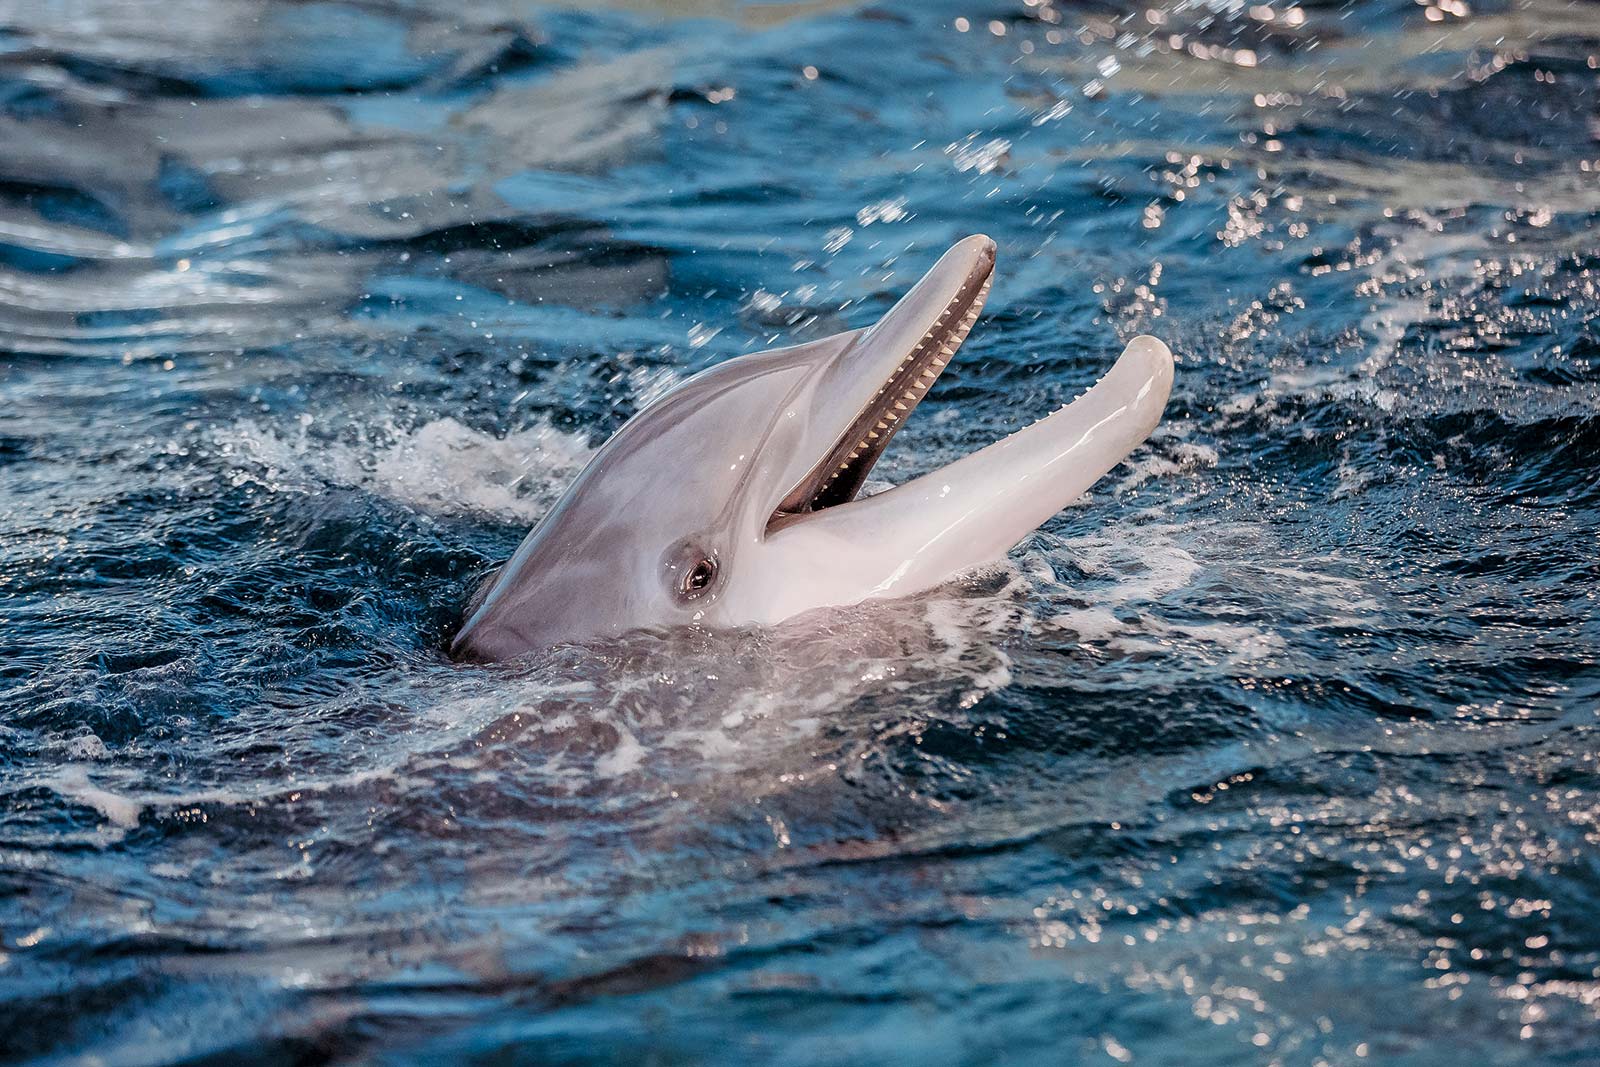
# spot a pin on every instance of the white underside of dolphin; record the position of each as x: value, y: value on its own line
x: 732, y: 501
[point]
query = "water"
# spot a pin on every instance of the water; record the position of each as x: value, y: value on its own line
x: 1278, y: 749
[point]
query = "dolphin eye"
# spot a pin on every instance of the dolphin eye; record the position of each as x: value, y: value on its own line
x: 690, y: 569
x: 699, y: 577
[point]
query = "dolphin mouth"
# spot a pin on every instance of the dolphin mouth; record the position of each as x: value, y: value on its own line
x: 838, y: 477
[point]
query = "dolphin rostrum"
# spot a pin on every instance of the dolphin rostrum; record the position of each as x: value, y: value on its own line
x: 731, y: 501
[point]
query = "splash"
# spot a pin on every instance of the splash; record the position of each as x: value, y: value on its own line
x: 442, y: 466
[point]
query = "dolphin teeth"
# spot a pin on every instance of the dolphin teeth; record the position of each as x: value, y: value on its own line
x: 914, y: 376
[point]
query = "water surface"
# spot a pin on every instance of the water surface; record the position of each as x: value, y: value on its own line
x: 1279, y: 748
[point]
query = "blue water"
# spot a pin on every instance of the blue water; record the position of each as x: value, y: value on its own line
x: 1278, y: 749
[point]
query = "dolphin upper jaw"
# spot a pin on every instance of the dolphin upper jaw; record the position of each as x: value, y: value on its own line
x: 884, y: 372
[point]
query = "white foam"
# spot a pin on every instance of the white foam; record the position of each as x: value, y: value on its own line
x: 955, y: 623
x: 442, y: 466
x: 1090, y: 624
x: 72, y: 782
x: 1245, y: 643
x: 1232, y: 644
x: 87, y: 747
x: 1129, y: 570
x: 626, y: 757
x: 1176, y: 459
x: 1141, y: 563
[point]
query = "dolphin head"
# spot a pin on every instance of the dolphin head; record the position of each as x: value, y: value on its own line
x: 732, y: 500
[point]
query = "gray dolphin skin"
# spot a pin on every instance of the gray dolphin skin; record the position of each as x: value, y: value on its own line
x: 731, y: 501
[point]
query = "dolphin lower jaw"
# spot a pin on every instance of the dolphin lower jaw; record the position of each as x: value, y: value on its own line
x: 840, y: 474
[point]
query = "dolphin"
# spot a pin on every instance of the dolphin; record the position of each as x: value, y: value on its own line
x: 731, y: 501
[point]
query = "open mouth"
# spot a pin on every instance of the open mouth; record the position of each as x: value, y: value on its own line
x: 840, y: 474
